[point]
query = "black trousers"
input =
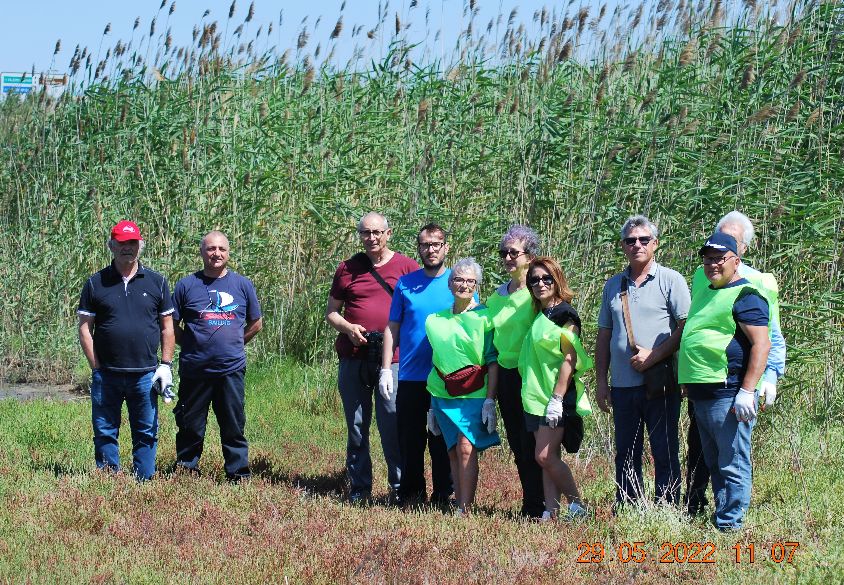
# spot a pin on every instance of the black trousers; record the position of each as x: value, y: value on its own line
x: 697, y: 473
x: 522, y: 443
x: 412, y: 404
x: 226, y: 395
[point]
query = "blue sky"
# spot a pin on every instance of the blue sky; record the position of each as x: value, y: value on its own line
x: 31, y: 28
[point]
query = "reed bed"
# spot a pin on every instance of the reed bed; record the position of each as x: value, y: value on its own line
x: 681, y: 111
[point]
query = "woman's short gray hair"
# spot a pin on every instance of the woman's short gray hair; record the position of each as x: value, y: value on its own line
x: 465, y: 265
x: 635, y: 221
x: 524, y: 234
x: 741, y: 220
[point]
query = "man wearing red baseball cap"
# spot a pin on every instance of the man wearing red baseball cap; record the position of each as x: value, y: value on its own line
x: 125, y: 311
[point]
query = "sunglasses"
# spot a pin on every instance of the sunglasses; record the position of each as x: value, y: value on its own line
x: 535, y: 280
x: 512, y: 254
x: 644, y: 240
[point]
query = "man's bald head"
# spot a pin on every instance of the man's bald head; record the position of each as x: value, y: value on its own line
x: 214, y: 250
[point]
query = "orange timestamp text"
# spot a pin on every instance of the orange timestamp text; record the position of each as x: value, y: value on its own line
x: 682, y: 552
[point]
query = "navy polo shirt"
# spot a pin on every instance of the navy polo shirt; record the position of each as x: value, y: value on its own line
x: 126, y: 315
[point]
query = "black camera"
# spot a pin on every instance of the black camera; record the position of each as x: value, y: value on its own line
x: 374, y: 344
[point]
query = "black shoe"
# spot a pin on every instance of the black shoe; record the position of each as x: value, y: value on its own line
x: 395, y: 499
x: 360, y: 499
x: 443, y: 501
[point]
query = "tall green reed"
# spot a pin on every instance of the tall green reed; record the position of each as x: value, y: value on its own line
x: 570, y: 132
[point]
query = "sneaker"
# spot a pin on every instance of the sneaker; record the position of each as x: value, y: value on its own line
x: 546, y: 517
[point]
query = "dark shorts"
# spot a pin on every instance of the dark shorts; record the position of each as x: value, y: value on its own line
x: 533, y: 422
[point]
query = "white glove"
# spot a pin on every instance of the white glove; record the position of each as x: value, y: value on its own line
x: 745, y: 405
x: 162, y: 381
x: 488, y: 416
x: 433, y: 425
x: 554, y: 411
x: 768, y: 391
x: 385, y: 383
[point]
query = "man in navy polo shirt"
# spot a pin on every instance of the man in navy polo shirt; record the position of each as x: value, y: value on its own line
x: 220, y: 314
x: 124, y: 311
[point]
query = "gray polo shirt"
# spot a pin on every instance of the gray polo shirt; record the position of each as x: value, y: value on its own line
x: 655, y: 307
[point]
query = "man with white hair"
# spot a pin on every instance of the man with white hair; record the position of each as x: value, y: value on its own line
x: 358, y: 307
x: 220, y: 313
x: 737, y: 225
x: 124, y: 312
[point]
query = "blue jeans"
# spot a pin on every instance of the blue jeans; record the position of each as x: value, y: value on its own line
x: 358, y: 382
x: 726, y: 449
x: 108, y: 391
x: 226, y: 395
x: 632, y: 412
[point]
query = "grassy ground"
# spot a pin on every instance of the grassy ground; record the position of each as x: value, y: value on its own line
x: 63, y: 522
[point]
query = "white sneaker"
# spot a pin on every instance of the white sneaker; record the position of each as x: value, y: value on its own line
x: 546, y: 517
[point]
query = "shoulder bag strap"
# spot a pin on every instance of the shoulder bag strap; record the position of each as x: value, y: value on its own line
x: 625, y: 311
x: 365, y: 259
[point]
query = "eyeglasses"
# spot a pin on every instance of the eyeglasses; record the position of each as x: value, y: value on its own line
x: 535, y: 280
x: 713, y: 261
x: 644, y: 240
x: 512, y: 254
x: 371, y: 233
x: 470, y: 282
x: 435, y: 246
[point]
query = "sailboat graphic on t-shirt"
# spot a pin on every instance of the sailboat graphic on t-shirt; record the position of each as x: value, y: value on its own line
x: 220, y: 309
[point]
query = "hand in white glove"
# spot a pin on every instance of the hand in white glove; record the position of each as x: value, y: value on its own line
x: 554, y: 411
x: 768, y: 391
x: 385, y: 383
x: 488, y: 416
x: 162, y: 381
x: 745, y: 405
x: 433, y: 425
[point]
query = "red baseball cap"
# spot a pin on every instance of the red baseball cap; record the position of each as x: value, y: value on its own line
x: 126, y: 230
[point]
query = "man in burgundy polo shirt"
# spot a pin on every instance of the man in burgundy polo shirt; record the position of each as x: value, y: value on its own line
x: 358, y: 308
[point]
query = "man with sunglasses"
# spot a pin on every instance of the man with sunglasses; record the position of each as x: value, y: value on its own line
x: 418, y: 295
x: 657, y: 301
x: 722, y: 357
x: 739, y: 226
x: 357, y: 308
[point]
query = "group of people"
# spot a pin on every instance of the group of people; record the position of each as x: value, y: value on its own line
x: 439, y: 366
x: 126, y: 311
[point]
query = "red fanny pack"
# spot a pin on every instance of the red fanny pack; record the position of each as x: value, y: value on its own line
x: 464, y: 381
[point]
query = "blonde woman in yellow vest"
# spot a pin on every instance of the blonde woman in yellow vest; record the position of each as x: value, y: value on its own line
x: 722, y: 356
x: 551, y: 363
x: 464, y: 380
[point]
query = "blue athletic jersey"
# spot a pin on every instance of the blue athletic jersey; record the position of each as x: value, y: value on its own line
x: 417, y: 296
x: 214, y: 312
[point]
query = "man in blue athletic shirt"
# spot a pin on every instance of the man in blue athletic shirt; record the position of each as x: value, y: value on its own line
x: 216, y: 314
x: 418, y: 295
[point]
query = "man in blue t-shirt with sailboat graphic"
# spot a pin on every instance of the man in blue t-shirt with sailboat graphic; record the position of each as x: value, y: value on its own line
x: 216, y: 314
